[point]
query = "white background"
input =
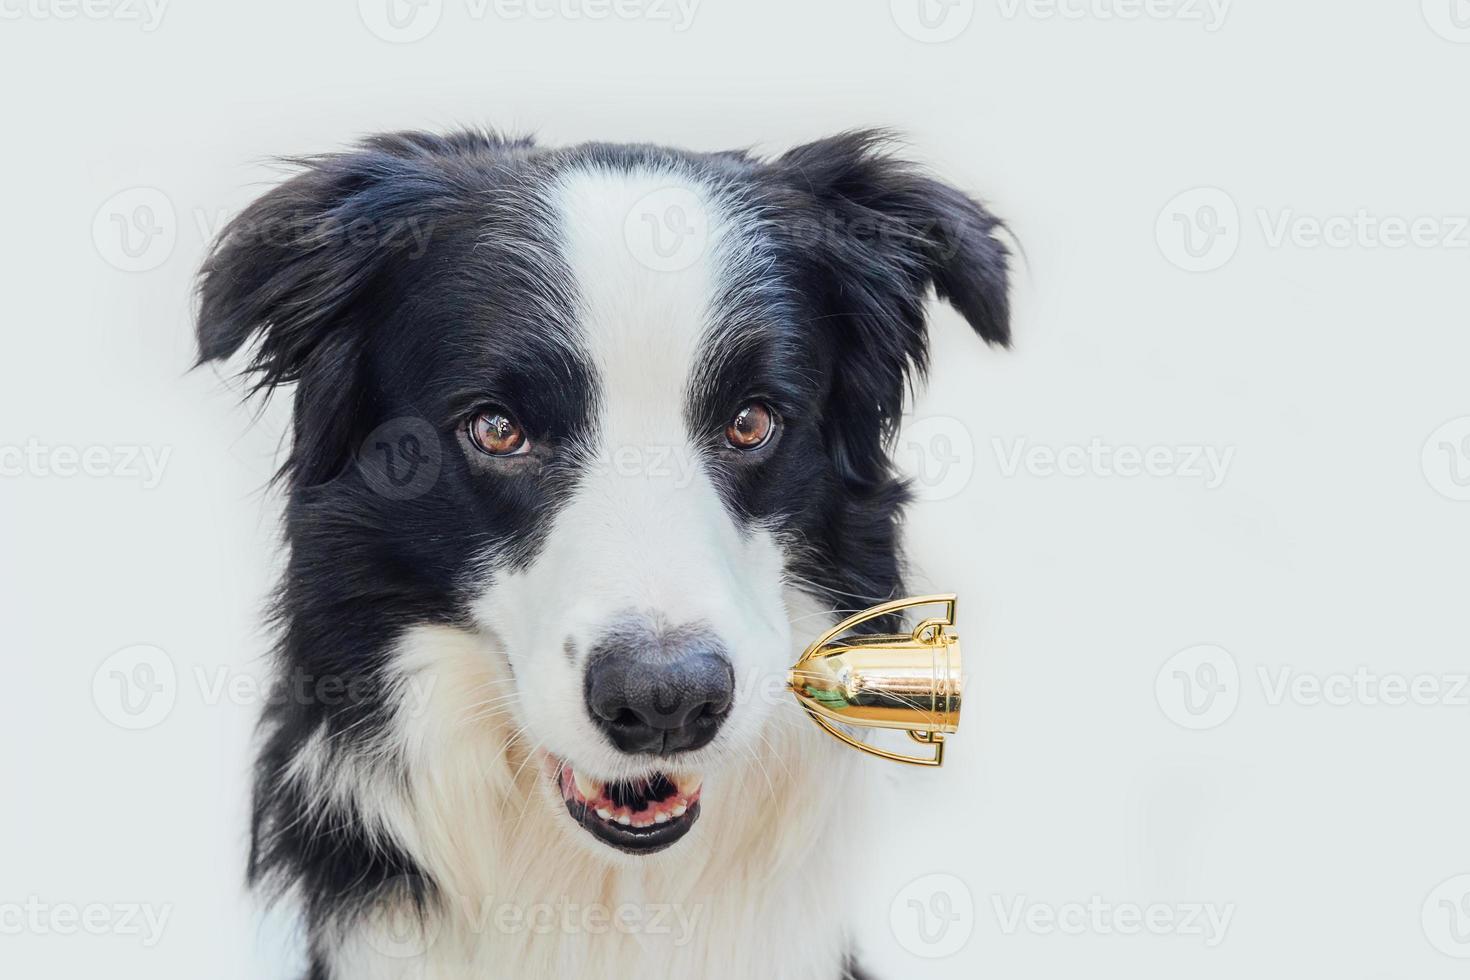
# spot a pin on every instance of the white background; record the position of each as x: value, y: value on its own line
x: 1087, y: 771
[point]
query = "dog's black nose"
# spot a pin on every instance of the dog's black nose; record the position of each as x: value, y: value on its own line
x: 659, y: 692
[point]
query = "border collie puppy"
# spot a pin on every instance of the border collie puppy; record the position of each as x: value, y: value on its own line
x: 587, y: 443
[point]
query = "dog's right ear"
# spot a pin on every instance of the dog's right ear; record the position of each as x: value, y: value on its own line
x: 298, y: 270
x: 292, y: 268
x: 291, y: 273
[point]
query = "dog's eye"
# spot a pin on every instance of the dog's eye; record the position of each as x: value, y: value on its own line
x: 751, y: 428
x: 495, y: 431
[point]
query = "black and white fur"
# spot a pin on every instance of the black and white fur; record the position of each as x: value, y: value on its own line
x: 433, y: 639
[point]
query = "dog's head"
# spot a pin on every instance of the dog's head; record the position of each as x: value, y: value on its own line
x: 604, y: 407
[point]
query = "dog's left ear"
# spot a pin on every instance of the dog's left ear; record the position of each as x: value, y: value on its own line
x: 883, y: 233
x: 893, y: 231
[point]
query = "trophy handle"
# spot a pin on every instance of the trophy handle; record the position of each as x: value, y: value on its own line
x: 927, y: 738
x: 852, y: 622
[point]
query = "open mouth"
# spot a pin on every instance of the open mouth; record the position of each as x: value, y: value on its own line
x: 638, y: 816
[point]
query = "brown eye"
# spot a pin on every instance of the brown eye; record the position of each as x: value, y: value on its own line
x: 495, y: 431
x: 751, y: 428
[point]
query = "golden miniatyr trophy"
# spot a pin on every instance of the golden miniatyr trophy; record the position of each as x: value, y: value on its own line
x: 904, y: 681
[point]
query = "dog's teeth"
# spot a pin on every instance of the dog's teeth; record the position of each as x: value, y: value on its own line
x: 590, y: 788
x: 661, y: 817
x: 604, y: 813
x: 625, y: 820
x: 679, y: 810
x: 688, y: 785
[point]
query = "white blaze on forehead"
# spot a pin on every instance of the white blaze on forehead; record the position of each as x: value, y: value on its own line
x: 645, y: 525
x: 643, y: 249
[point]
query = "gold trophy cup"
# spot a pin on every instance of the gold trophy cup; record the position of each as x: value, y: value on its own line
x: 906, y: 681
